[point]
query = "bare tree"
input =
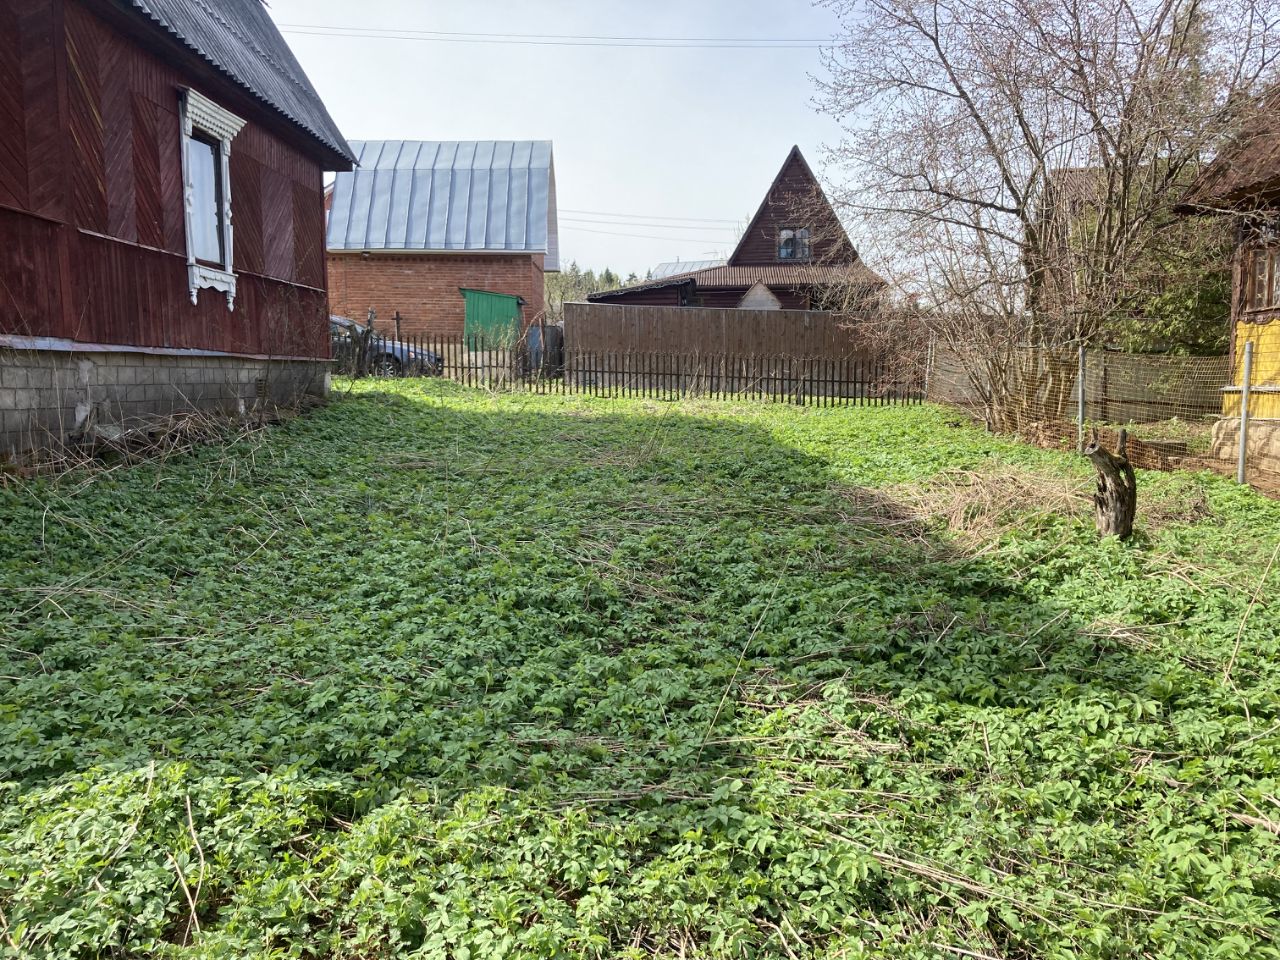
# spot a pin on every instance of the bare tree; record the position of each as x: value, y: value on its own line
x: 1016, y: 160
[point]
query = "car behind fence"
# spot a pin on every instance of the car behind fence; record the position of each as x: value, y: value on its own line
x: 541, y: 363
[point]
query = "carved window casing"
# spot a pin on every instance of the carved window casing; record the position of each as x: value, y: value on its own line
x: 207, y: 132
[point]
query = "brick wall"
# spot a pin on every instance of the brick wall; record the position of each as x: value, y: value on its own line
x: 424, y: 287
x: 47, y: 396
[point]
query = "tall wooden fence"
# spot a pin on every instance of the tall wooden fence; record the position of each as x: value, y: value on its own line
x: 634, y: 368
x: 601, y: 328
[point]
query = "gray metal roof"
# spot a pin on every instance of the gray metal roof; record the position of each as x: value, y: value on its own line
x: 433, y: 195
x: 239, y: 38
x: 676, y: 267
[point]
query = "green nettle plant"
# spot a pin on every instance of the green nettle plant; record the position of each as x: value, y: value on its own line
x: 437, y: 673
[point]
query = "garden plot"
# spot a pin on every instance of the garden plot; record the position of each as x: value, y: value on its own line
x: 463, y: 675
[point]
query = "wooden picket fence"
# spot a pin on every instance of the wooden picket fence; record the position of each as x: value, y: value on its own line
x: 546, y: 366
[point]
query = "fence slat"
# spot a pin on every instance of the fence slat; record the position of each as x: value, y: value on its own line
x: 471, y: 360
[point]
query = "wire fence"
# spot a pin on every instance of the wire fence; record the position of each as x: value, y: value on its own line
x: 1179, y: 412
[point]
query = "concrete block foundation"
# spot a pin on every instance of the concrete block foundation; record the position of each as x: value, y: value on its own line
x: 50, y: 396
x: 1262, y: 448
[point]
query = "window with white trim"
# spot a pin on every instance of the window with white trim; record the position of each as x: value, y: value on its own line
x: 207, y: 132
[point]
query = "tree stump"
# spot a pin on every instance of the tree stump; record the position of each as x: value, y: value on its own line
x: 1116, y: 501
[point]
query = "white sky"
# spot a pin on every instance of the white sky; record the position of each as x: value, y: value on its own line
x: 650, y: 133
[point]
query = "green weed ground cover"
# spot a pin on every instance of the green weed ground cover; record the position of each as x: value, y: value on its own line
x: 444, y: 674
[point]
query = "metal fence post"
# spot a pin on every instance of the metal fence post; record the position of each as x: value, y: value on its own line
x: 1080, y: 405
x: 1245, y: 383
x: 928, y: 364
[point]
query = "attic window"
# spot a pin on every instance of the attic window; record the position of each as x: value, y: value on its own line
x: 207, y: 131
x: 793, y: 244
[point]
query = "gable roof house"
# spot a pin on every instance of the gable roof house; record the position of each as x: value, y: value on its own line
x: 1243, y: 181
x: 794, y: 255
x: 420, y: 228
x: 132, y: 134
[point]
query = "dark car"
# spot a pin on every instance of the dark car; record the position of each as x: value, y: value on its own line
x: 386, y: 357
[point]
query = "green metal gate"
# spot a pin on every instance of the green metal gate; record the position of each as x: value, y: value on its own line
x: 493, y: 316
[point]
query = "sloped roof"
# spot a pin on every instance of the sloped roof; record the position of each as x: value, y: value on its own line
x: 1247, y: 171
x: 784, y: 200
x: 239, y: 38
x: 676, y: 267
x: 771, y: 275
x: 440, y: 196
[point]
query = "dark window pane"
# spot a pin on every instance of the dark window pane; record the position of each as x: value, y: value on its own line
x: 206, y: 201
x: 786, y: 245
x: 802, y: 244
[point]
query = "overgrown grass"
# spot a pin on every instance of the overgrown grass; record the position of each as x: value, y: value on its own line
x: 441, y: 673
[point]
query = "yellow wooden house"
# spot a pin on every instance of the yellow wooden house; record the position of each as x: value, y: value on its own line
x: 1243, y: 181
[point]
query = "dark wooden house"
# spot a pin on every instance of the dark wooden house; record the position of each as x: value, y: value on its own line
x: 161, y: 213
x: 794, y: 255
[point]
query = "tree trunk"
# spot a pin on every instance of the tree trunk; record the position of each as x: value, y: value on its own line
x: 1116, y: 501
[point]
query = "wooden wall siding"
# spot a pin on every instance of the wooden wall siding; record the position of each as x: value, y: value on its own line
x: 246, y: 217
x: 28, y: 106
x: 790, y: 299
x: 121, y: 295
x: 655, y: 296
x: 308, y: 221
x: 720, y: 299
x: 101, y: 150
x: 46, y: 162
x: 277, y: 224
x: 13, y: 132
x: 115, y: 61
x: 601, y: 328
x: 147, y: 184
x: 795, y: 200
x: 29, y: 288
x: 125, y: 125
x: 169, y: 147
x: 89, y: 188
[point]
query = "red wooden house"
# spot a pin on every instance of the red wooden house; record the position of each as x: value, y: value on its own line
x: 161, y: 213
x: 794, y: 255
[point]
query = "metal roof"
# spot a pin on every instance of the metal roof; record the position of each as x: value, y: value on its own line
x: 239, y: 38
x: 1246, y: 171
x: 675, y: 268
x: 439, y: 196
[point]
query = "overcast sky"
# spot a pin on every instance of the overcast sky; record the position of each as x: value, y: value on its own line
x: 643, y: 135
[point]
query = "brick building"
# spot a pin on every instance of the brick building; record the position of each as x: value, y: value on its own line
x: 418, y: 221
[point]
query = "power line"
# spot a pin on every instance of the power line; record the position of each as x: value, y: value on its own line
x: 649, y: 216
x: 556, y: 40
x: 655, y: 226
x: 569, y: 36
x: 646, y: 236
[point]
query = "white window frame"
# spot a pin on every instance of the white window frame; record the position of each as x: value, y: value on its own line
x: 201, y: 115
